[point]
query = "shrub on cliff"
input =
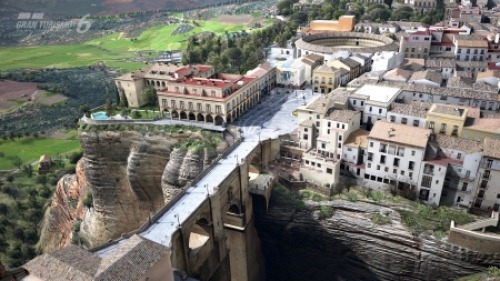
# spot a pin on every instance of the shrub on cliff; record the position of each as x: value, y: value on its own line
x: 325, y: 212
x: 87, y: 202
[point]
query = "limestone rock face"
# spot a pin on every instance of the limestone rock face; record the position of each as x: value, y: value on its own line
x: 349, y: 246
x: 127, y: 173
x: 66, y: 208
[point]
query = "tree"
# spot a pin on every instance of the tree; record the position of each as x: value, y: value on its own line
x: 27, y: 170
x: 109, y: 107
x: 85, y: 109
x: 401, y: 13
x: 234, y: 56
x: 88, y: 201
x: 151, y: 96
x: 17, y: 161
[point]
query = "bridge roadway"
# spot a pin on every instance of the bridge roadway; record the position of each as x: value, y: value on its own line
x: 261, y: 123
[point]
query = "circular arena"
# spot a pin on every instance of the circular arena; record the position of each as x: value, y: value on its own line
x: 331, y: 42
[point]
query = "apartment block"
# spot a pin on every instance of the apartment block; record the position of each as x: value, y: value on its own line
x: 416, y: 44
x: 394, y: 155
x: 412, y: 114
x: 488, y: 191
x: 373, y: 101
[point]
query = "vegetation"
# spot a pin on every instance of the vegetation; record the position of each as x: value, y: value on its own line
x: 426, y: 218
x: 237, y: 54
x: 23, y: 201
x: 283, y: 197
x: 325, y: 212
x: 28, y: 150
x: 378, y: 218
x: 333, y: 9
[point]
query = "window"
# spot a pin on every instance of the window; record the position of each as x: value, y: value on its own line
x: 173, y: 104
x: 442, y: 130
x: 164, y: 103
x: 370, y: 156
x: 209, y: 109
x: 218, y: 109
x: 413, y: 153
x: 323, y: 145
x: 370, y: 109
x: 371, y: 144
x: 386, y: 169
x: 382, y: 159
x: 402, y: 172
x: 459, y: 155
x: 378, y: 167
x: 329, y: 171
x: 396, y: 162
x: 486, y: 174
x: 454, y: 131
x: 305, y: 129
x: 411, y: 165
x: 317, y: 116
x: 340, y: 138
x: 383, y: 147
x: 200, y: 108
x: 343, y: 126
x: 464, y: 186
x: 431, y: 125
x: 392, y: 118
x: 380, y: 111
x: 416, y: 123
x: 404, y: 120
x: 181, y: 105
x: 489, y: 163
x: 305, y: 136
x: 317, y: 123
x: 329, y: 124
x: 426, y: 181
x: 190, y: 105
x: 395, y: 171
x: 401, y: 151
x: 410, y: 175
x: 369, y: 165
x: 354, y: 102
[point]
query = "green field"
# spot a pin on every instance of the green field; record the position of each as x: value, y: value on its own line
x: 30, y: 149
x: 110, y: 49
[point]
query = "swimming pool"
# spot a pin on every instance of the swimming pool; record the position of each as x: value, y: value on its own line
x: 101, y: 115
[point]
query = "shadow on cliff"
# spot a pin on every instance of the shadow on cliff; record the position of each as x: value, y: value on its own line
x: 298, y: 247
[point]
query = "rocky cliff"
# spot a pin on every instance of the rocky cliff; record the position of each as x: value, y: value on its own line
x: 298, y: 245
x: 131, y: 175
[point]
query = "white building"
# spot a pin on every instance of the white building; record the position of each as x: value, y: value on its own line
x: 373, y: 101
x: 353, y: 152
x: 462, y: 158
x: 488, y: 192
x: 386, y: 60
x: 290, y: 73
x: 412, y: 114
x: 395, y: 155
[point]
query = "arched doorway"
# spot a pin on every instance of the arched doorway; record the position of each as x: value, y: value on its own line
x: 192, y: 116
x: 183, y: 115
x: 228, y: 119
x: 175, y: 115
x: 235, y: 209
x: 219, y: 120
x: 210, y: 119
x: 200, y: 117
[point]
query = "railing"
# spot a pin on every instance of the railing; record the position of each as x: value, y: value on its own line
x: 429, y: 171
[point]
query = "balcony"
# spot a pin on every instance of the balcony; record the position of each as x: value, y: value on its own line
x: 321, y: 156
x: 429, y: 171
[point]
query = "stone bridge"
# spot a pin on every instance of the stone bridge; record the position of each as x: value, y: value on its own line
x: 209, y: 228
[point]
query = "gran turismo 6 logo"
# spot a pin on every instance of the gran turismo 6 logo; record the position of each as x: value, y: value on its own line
x: 33, y: 21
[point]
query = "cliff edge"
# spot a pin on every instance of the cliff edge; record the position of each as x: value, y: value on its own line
x: 130, y: 175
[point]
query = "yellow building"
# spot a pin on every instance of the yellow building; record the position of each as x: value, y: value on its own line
x: 218, y: 99
x: 348, y: 64
x: 449, y: 119
x: 325, y: 78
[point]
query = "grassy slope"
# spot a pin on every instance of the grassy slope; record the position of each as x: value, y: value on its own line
x: 91, y: 52
x: 30, y: 149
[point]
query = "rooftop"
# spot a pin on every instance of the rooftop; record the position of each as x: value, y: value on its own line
x: 312, y: 59
x: 344, y: 116
x: 399, y: 133
x: 415, y: 108
x: 358, y: 138
x: 451, y: 110
x: 430, y: 75
x: 350, y: 62
x: 459, y: 82
x: 488, y: 74
x: 475, y: 43
x: 491, y: 148
x: 128, y: 261
x: 468, y: 146
x: 378, y: 93
x: 320, y: 104
x: 398, y: 74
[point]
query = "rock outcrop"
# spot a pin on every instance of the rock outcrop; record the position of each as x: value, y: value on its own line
x: 131, y: 175
x: 349, y: 246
